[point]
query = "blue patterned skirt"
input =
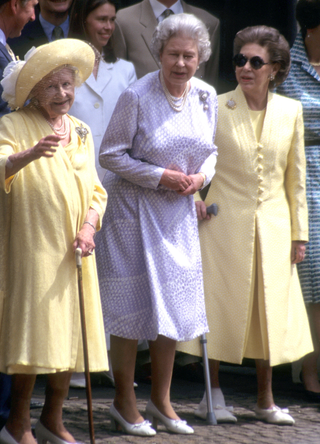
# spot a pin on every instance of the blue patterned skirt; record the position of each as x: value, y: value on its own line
x: 309, y: 269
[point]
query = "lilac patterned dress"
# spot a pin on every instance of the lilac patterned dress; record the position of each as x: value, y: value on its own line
x: 148, y: 252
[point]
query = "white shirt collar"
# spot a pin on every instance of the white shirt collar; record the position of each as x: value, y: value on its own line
x: 3, y: 39
x: 159, y: 8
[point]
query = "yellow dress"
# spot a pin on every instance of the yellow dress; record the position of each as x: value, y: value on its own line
x: 253, y: 298
x: 42, y: 208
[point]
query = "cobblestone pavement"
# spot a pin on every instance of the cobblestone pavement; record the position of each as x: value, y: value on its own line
x: 239, y: 390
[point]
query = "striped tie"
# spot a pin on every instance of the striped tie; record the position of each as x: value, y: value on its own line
x: 57, y: 33
x: 166, y: 14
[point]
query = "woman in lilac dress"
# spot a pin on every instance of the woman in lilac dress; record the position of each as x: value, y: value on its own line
x: 159, y: 150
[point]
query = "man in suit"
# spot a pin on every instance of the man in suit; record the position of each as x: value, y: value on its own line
x: 14, y: 14
x: 51, y: 23
x: 135, y: 26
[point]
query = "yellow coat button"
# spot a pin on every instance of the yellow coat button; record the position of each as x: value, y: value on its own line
x: 260, y: 190
x: 260, y: 167
x: 259, y: 200
x: 260, y: 156
x: 259, y: 146
x: 260, y: 179
x: 97, y: 105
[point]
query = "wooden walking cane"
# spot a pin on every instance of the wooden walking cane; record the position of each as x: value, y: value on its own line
x: 85, y: 345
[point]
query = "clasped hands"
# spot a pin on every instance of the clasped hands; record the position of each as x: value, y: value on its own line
x: 179, y: 182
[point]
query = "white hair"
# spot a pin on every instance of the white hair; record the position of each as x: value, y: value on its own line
x: 182, y: 24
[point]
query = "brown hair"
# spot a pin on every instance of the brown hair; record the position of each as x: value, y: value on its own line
x: 276, y: 45
x: 308, y: 14
x: 77, y: 29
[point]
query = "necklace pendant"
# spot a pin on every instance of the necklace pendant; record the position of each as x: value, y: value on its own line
x: 82, y: 133
x: 231, y: 104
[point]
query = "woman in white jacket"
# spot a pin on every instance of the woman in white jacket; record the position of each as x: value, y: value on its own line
x: 94, y: 21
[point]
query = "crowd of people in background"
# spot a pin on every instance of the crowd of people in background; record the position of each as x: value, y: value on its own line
x: 113, y: 140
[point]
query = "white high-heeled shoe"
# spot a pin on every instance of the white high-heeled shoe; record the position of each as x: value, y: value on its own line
x: 173, y: 425
x: 44, y: 436
x: 141, y: 429
x: 6, y: 438
x: 274, y: 415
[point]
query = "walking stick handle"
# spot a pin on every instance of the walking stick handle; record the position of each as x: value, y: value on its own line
x: 78, y: 256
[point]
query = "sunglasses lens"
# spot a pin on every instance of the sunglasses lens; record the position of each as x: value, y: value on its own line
x: 240, y: 60
x: 256, y: 62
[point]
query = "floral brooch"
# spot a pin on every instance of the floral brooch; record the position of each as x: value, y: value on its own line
x: 203, y: 95
x: 82, y: 133
x: 231, y: 104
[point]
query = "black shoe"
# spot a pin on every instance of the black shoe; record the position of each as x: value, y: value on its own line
x: 312, y: 396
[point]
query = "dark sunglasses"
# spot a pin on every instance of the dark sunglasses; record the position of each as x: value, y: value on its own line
x: 256, y: 62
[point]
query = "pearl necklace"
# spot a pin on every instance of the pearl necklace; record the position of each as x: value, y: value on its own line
x: 172, y: 99
x: 59, y: 131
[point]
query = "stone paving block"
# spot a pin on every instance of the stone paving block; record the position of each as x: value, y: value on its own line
x: 239, y: 391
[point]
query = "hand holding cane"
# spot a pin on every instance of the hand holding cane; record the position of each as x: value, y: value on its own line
x: 85, y: 344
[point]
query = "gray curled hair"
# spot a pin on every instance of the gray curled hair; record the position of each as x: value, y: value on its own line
x: 181, y: 24
x: 37, y: 90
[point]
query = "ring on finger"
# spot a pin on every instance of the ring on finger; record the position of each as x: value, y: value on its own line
x: 90, y: 252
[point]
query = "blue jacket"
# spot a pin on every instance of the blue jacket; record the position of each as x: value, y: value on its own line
x: 4, y: 60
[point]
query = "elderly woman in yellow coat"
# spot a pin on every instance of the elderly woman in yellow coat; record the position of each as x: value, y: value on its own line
x: 51, y: 202
x: 249, y: 251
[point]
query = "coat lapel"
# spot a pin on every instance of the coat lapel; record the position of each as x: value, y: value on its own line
x: 273, y: 114
x: 186, y: 8
x: 148, y: 20
x: 104, y: 77
x: 241, y: 121
x: 5, y: 52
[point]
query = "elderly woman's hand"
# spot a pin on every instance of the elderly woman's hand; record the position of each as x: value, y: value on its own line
x: 298, y: 250
x: 44, y: 148
x: 85, y: 240
x: 175, y: 180
x: 202, y: 211
x: 85, y: 237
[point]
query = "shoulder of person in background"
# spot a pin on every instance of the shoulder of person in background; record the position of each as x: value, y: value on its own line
x: 4, y: 60
x: 31, y: 35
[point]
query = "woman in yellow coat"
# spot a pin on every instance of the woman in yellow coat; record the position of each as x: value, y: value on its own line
x: 249, y: 251
x: 51, y: 202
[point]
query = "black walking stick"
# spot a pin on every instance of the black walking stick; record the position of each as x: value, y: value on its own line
x: 211, y: 418
x: 85, y: 344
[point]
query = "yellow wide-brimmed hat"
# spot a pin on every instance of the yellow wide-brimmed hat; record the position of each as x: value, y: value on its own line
x: 46, y: 58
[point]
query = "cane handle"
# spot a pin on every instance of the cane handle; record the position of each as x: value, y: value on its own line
x: 78, y: 257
